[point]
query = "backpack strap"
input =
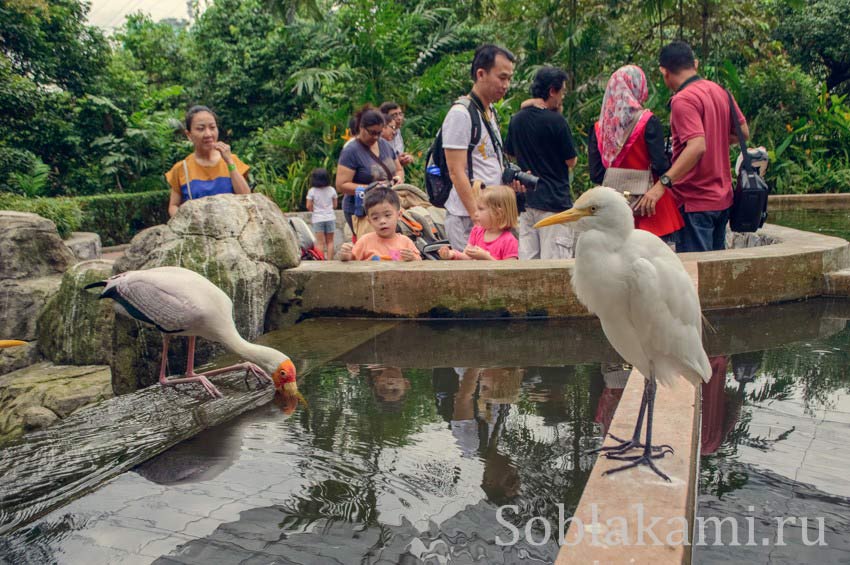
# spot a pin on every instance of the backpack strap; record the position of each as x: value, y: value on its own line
x: 475, y: 134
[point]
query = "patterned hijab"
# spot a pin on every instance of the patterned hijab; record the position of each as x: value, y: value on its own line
x: 622, y: 105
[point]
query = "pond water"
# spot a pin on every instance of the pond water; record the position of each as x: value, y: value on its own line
x: 827, y: 222
x: 413, y: 440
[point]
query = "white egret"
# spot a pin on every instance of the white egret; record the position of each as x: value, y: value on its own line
x: 645, y: 299
x: 178, y: 301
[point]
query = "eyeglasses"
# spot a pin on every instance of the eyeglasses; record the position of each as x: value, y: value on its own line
x: 375, y: 133
x: 396, y: 114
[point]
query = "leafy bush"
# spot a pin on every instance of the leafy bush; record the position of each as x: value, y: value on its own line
x: 118, y: 217
x: 64, y: 212
x: 774, y: 94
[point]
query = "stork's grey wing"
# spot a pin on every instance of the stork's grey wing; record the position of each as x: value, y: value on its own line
x: 168, y: 311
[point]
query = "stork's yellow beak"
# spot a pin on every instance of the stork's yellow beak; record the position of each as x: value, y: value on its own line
x: 570, y: 215
x: 11, y: 343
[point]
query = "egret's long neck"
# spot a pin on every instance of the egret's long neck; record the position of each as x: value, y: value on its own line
x: 266, y: 357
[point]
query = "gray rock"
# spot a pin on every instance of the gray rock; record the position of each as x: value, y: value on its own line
x: 37, y: 417
x: 14, y: 358
x: 84, y: 245
x: 30, y: 247
x: 75, y: 328
x: 241, y: 243
x: 61, y: 389
x: 22, y: 300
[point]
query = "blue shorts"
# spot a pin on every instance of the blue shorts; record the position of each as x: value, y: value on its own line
x: 328, y: 226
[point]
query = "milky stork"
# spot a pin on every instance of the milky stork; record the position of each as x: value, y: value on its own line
x: 178, y: 301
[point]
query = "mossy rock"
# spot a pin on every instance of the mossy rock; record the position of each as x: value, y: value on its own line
x: 240, y: 243
x: 75, y: 328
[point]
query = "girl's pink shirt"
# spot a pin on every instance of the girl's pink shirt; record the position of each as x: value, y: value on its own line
x: 505, y: 246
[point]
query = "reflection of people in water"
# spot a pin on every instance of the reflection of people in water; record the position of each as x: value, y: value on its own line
x: 615, y: 375
x: 721, y: 408
x: 476, y: 403
x: 389, y: 386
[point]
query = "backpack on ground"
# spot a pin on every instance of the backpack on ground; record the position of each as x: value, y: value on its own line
x: 438, y: 182
x: 306, y: 240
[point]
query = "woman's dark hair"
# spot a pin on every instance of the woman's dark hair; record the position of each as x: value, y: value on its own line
x: 368, y: 116
x: 485, y: 57
x: 677, y: 56
x: 190, y: 115
x: 320, y: 178
x: 546, y: 79
x: 352, y: 125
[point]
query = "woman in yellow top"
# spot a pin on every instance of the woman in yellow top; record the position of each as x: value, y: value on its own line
x: 210, y: 169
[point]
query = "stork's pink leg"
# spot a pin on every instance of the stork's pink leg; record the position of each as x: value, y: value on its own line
x: 249, y: 368
x: 191, y: 377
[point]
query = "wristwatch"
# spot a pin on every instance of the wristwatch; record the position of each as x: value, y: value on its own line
x: 666, y: 181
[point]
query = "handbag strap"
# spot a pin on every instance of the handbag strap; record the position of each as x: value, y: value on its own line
x: 745, y: 155
x: 188, y: 183
x: 377, y: 159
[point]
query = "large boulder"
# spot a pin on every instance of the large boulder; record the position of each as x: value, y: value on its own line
x: 75, y: 328
x: 241, y: 243
x: 32, y: 260
x: 22, y: 300
x: 30, y: 247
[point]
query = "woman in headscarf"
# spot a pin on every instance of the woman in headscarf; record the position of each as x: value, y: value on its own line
x: 628, y: 136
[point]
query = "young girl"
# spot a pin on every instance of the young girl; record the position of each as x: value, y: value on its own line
x: 491, y: 238
x: 321, y: 200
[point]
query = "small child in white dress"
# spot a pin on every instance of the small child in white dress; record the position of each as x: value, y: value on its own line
x: 321, y: 200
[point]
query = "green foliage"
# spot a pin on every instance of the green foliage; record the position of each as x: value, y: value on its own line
x: 64, y: 212
x: 118, y: 217
x: 284, y: 77
x: 34, y: 182
x: 817, y: 34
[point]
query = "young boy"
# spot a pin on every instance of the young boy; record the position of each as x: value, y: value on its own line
x: 382, y: 211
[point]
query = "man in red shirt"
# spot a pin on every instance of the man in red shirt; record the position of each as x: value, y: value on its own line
x: 702, y: 131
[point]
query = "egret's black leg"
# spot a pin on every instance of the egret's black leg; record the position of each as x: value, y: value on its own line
x: 626, y: 445
x: 647, y: 457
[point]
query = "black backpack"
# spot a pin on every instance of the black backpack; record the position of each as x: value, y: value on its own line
x: 438, y: 182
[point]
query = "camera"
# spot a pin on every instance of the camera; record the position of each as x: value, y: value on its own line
x: 512, y: 172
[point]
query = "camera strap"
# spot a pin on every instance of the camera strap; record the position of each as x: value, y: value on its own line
x: 495, y: 139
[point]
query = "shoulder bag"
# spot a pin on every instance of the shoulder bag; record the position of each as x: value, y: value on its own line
x: 749, y: 204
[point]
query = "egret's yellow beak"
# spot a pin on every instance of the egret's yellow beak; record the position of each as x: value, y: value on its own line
x: 10, y: 343
x: 571, y: 215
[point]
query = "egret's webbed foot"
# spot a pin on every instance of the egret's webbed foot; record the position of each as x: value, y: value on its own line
x: 626, y: 445
x: 645, y: 459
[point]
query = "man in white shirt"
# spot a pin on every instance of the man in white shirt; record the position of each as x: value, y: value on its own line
x: 492, y: 70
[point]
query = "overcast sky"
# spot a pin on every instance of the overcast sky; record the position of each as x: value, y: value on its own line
x: 110, y: 14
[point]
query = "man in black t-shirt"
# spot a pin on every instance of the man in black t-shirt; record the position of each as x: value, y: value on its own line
x: 540, y: 140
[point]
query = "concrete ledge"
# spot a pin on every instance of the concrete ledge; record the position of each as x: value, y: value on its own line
x: 606, y: 526
x: 792, y: 269
x: 778, y: 202
x: 838, y: 283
